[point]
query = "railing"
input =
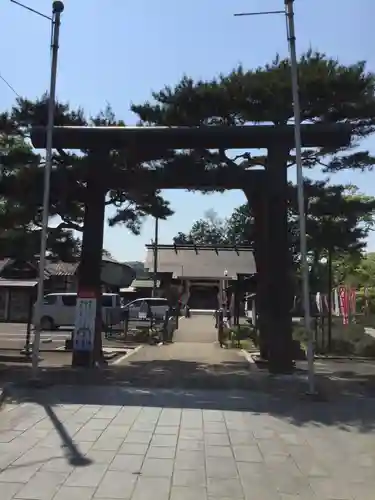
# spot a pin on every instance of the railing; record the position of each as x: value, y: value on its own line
x: 147, y: 327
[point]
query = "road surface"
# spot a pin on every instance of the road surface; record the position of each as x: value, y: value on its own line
x: 13, y: 336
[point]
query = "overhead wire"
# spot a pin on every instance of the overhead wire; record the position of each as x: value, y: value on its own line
x: 9, y: 85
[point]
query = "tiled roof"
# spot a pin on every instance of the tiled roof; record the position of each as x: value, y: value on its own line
x: 61, y: 268
x: 142, y: 283
x: 4, y: 263
x: 139, y: 268
x: 107, y: 258
x: 17, y: 283
x: 202, y: 261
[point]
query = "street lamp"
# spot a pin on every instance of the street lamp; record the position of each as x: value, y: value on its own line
x: 155, y: 270
x: 289, y: 13
x: 57, y: 9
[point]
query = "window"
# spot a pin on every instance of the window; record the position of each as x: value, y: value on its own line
x: 158, y: 302
x: 134, y: 304
x: 69, y: 300
x: 106, y: 300
x: 49, y: 300
x: 118, y: 301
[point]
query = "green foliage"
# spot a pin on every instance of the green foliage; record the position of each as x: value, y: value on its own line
x: 347, y: 340
x: 22, y: 183
x: 235, y: 230
x: 209, y: 230
x: 338, y: 219
x: 329, y: 92
x: 358, y: 272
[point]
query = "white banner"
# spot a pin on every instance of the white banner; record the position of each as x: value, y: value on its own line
x: 318, y: 300
x: 336, y: 304
x: 84, y: 328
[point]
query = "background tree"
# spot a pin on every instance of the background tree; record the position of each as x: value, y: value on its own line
x: 208, y: 230
x: 107, y: 254
x: 355, y: 271
x: 19, y: 235
x: 339, y: 219
x: 22, y: 181
x: 329, y: 91
x: 211, y: 229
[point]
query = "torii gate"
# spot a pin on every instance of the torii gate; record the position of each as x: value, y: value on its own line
x: 264, y: 190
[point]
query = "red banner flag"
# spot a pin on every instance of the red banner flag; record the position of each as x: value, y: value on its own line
x: 344, y: 304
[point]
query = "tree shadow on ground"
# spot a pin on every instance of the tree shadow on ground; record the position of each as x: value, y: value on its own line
x: 347, y: 402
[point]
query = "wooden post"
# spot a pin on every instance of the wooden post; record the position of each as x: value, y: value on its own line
x: 259, y: 206
x: 280, y: 296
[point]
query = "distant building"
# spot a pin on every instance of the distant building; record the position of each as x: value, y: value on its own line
x: 142, y: 284
x: 19, y: 279
x: 198, y: 274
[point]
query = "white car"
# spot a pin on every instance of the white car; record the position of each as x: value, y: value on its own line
x: 138, y: 307
x: 59, y: 309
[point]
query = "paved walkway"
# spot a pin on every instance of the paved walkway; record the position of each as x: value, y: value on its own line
x: 194, y: 360
x: 116, y: 442
x: 198, y: 328
x: 111, y: 443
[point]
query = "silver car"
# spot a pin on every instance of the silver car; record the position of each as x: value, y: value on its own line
x: 138, y: 308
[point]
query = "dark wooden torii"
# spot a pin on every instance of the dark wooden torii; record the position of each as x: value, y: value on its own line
x: 265, y: 191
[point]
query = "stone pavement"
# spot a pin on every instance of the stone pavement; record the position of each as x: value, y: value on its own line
x: 110, y: 443
x: 198, y: 328
x: 193, y: 360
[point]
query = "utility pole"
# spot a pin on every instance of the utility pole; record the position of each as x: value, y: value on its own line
x: 289, y: 4
x: 329, y: 301
x: 155, y: 273
x: 57, y: 9
x: 289, y: 13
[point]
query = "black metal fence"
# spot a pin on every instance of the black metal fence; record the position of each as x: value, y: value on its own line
x: 147, y: 327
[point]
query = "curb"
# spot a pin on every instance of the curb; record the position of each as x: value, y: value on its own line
x: 109, y: 356
x: 249, y: 358
x: 322, y: 357
x: 4, y: 395
x: 127, y: 355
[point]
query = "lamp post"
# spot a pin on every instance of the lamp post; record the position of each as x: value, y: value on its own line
x: 57, y: 9
x: 328, y: 262
x: 155, y: 271
x: 289, y: 13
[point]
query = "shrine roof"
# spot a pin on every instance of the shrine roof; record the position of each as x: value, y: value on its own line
x: 202, y: 261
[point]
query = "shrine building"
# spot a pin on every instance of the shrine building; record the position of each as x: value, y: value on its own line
x: 199, y: 273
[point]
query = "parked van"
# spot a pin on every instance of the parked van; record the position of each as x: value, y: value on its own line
x: 59, y: 310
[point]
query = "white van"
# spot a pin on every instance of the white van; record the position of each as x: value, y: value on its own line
x: 59, y: 310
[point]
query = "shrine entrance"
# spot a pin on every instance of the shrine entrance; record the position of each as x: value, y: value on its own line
x: 265, y: 191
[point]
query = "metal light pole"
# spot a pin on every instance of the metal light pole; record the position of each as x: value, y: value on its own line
x: 57, y: 9
x: 300, y: 192
x: 329, y: 301
x: 155, y: 273
x: 289, y: 13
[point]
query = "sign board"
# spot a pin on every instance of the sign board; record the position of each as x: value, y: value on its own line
x: 84, y: 328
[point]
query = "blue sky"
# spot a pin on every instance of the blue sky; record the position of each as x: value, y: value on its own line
x: 118, y: 51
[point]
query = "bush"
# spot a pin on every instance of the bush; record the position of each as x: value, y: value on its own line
x: 347, y: 340
x: 342, y: 347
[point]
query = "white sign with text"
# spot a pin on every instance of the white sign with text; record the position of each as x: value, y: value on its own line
x: 84, y: 328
